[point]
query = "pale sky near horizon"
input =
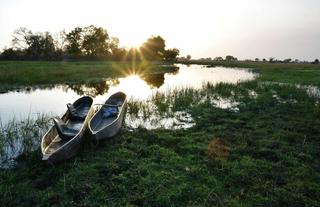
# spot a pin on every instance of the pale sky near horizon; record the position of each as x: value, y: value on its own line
x: 201, y: 28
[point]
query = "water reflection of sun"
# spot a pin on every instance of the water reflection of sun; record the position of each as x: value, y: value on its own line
x: 133, y: 86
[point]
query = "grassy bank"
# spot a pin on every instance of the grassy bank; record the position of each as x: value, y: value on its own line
x: 29, y: 73
x: 266, y: 155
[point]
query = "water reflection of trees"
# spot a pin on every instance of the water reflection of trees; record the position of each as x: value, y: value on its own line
x: 97, y: 87
x: 92, y: 88
x: 32, y: 89
x: 155, y: 80
x: 101, y: 87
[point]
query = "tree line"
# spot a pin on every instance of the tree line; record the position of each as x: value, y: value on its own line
x: 88, y: 43
x: 230, y: 58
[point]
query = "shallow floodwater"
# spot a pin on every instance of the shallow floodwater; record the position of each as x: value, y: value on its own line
x: 52, y: 99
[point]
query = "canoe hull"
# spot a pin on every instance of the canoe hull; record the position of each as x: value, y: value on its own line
x: 111, y: 129
x: 70, y: 148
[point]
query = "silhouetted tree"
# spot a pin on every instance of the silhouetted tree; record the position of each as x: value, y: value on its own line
x: 264, y: 60
x: 171, y: 54
x: 40, y: 46
x: 218, y: 59
x: 188, y: 57
x: 114, y: 44
x: 133, y: 54
x: 74, y: 41
x: 95, y: 41
x: 316, y: 61
x: 287, y: 60
x: 60, y: 40
x: 230, y: 58
x: 271, y: 60
x: 153, y: 48
x: 12, y: 54
x: 84, y: 42
x: 119, y: 54
x: 20, y: 38
x: 257, y: 59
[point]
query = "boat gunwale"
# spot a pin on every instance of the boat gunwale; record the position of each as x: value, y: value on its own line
x: 118, y: 117
x: 46, y: 156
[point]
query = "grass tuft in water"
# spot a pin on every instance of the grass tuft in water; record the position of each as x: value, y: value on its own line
x: 21, y: 137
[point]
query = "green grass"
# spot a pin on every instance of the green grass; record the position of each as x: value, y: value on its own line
x: 29, y: 73
x: 21, y: 137
x: 273, y: 158
x: 273, y: 161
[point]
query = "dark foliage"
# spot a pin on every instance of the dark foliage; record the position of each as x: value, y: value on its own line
x: 87, y: 43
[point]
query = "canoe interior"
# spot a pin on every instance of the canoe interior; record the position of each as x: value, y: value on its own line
x: 52, y: 141
x: 98, y: 122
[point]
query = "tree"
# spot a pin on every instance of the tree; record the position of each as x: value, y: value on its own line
x: 316, y: 61
x: 60, y: 40
x: 188, y: 57
x: 31, y: 45
x: 133, y: 54
x: 114, y: 44
x: 95, y: 41
x: 171, y: 54
x: 84, y: 42
x: 287, y: 60
x: 264, y: 60
x: 12, y: 54
x: 271, y: 60
x: 74, y: 41
x: 218, y: 59
x: 117, y: 53
x: 257, y: 59
x: 20, y: 38
x: 230, y: 58
x: 40, y: 46
x: 153, y: 48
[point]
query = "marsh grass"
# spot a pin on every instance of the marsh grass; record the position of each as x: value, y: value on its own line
x: 156, y: 113
x: 21, y: 137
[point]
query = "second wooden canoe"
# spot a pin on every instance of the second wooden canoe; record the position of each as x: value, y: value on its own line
x: 108, y: 120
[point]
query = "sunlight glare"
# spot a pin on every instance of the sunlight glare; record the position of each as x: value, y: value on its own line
x: 134, y: 87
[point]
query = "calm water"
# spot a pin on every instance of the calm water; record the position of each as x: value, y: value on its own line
x: 52, y: 99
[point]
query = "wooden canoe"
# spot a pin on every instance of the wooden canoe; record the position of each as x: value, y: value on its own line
x: 103, y: 127
x: 57, y: 147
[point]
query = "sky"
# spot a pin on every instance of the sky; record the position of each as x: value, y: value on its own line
x: 247, y: 29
